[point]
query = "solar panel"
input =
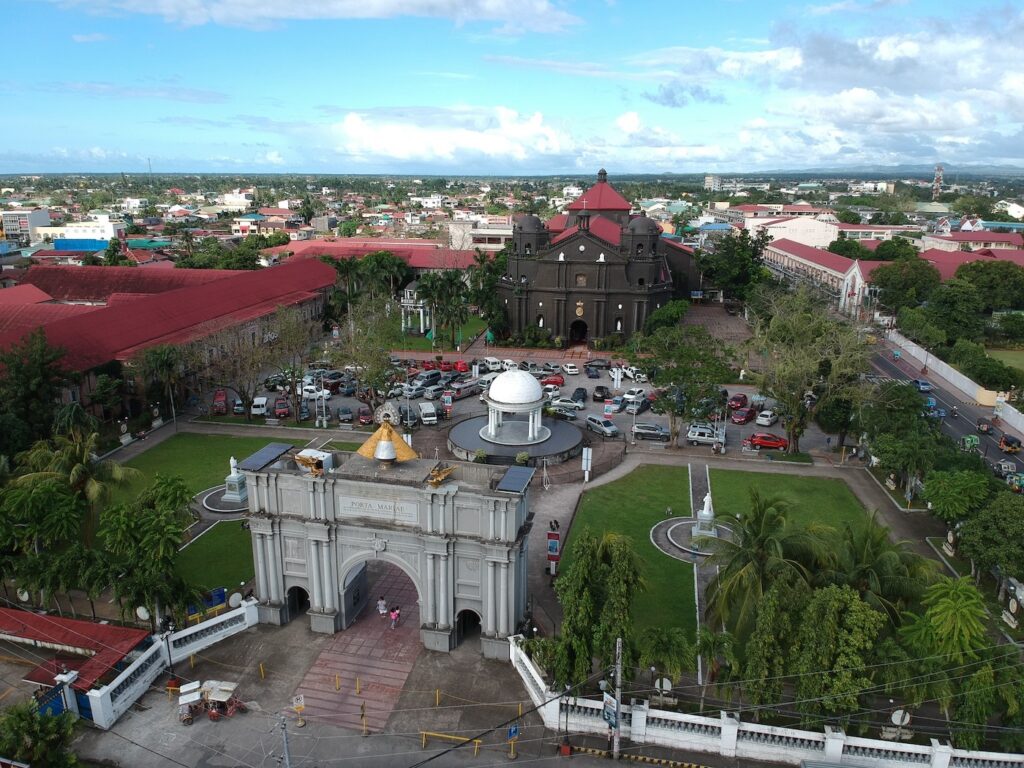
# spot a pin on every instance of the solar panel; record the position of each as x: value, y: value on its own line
x: 516, y: 479
x: 264, y: 456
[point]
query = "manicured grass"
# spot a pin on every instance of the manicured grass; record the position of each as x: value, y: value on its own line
x: 1014, y: 357
x: 898, y: 495
x: 221, y: 557
x: 444, y: 337
x: 793, y: 458
x: 813, y: 499
x: 631, y: 507
x: 201, y: 460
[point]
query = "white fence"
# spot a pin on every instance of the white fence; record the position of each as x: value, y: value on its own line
x: 726, y: 735
x: 975, y: 391
x: 113, y: 700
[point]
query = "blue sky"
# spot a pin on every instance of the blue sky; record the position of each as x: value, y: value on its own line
x: 508, y: 86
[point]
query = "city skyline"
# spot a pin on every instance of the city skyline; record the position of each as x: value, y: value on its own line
x: 496, y: 87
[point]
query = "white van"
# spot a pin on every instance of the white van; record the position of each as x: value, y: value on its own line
x: 428, y: 413
x: 509, y: 365
x: 259, y: 406
x: 492, y: 364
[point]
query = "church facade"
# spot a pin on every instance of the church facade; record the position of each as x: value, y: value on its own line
x: 593, y: 271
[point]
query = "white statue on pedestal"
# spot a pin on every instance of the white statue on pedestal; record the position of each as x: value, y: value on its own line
x: 234, y: 466
x: 706, y: 519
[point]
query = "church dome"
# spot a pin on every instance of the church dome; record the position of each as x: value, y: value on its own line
x: 642, y: 225
x: 531, y: 224
x: 515, y: 388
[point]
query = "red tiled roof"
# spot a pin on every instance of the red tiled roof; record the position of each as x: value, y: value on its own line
x: 605, y: 229
x: 117, y: 332
x: 947, y: 262
x: 557, y: 223
x: 47, y: 253
x: 991, y: 237
x: 600, y: 197
x: 822, y: 258
x: 421, y: 254
x: 23, y: 294
x: 68, y: 283
x: 277, y: 212
x: 105, y: 644
x: 25, y: 317
x: 678, y: 246
x: 871, y: 245
x: 868, y: 266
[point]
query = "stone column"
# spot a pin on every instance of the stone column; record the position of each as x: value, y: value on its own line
x: 313, y: 568
x: 442, y: 619
x: 274, y: 561
x: 431, y: 601
x: 503, y: 601
x: 261, y: 567
x: 489, y: 601
x: 312, y: 501
x: 423, y: 325
x: 330, y: 587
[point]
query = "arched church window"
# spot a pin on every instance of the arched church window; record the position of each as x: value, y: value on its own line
x: 618, y: 325
x: 640, y: 282
x: 581, y: 280
x: 540, y: 321
x: 528, y: 249
x: 639, y: 249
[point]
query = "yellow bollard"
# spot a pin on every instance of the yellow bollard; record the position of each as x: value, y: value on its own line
x: 362, y: 715
x: 512, y: 750
x: 358, y: 686
x: 337, y: 682
x: 520, y: 709
x: 192, y: 661
x: 437, y: 697
x: 263, y: 673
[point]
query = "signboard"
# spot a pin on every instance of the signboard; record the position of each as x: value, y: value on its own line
x: 608, y: 710
x: 554, y: 546
x: 298, y: 702
x: 608, y: 411
x: 513, y: 732
x: 696, y: 294
x: 446, y: 398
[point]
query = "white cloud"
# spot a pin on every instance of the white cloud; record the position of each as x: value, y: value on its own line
x: 91, y: 37
x: 876, y: 111
x: 273, y: 157
x: 628, y: 122
x: 712, y: 60
x: 513, y: 15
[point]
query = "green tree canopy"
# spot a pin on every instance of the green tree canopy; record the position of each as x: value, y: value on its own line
x: 851, y: 249
x: 994, y: 536
x: 896, y: 249
x: 1000, y: 284
x: 31, y: 377
x: 735, y: 264
x: 905, y: 283
x: 38, y: 739
x: 955, y: 307
x: 954, y: 496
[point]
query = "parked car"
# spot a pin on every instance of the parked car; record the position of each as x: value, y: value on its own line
x: 618, y: 405
x: 551, y: 391
x: 738, y: 400
x: 602, y: 426
x: 768, y: 440
x: 922, y: 385
x: 552, y: 367
x: 409, y: 416
x: 704, y: 434
x: 345, y: 414
x: 580, y: 394
x: 275, y: 382
x: 644, y: 431
x: 313, y: 392
x: 766, y: 418
x: 743, y: 415
x: 571, y: 369
x: 428, y: 365
x: 592, y: 372
x: 412, y: 391
x: 282, y: 408
x: 303, y: 410
x: 433, y: 392
x: 601, y: 393
x: 600, y: 362
x: 565, y: 402
x: 346, y: 388
x: 635, y: 393
x: 220, y: 402
x: 447, y: 365
x: 638, y: 406
x: 238, y: 407
x: 461, y: 366
x: 554, y: 378
x: 365, y: 415
x: 566, y: 414
x: 634, y: 373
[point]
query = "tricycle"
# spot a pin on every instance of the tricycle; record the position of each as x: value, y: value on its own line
x: 1009, y: 444
x: 969, y: 443
x: 984, y: 426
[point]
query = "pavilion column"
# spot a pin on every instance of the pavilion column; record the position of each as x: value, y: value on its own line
x: 503, y: 601
x: 272, y: 572
x: 442, y: 619
x: 423, y: 325
x: 330, y: 585
x: 489, y: 602
x: 428, y: 609
x: 261, y: 566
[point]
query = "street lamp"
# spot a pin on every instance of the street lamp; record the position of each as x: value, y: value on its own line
x: 167, y: 642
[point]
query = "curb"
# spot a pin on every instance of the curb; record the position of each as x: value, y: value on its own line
x: 647, y: 759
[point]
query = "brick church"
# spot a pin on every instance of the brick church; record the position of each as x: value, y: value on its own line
x: 592, y: 271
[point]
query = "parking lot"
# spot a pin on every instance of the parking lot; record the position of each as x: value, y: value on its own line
x: 571, y: 375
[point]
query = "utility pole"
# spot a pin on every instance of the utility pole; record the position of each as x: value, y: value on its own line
x: 618, y: 699
x: 284, y: 736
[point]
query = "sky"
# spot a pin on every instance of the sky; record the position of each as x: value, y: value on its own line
x: 509, y: 86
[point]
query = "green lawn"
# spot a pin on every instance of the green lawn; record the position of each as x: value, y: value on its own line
x: 1014, y: 357
x: 221, y: 557
x: 813, y: 499
x: 202, y: 460
x: 631, y: 506
x: 422, y: 344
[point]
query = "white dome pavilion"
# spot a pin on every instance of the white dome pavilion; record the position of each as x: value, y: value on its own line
x: 515, y: 392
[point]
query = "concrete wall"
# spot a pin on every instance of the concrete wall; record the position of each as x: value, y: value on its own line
x: 977, y: 393
x: 726, y: 735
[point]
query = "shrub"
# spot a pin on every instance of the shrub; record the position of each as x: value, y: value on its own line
x: 522, y: 458
x: 480, y: 456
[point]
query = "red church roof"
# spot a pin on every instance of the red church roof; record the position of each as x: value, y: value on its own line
x: 600, y: 197
x: 606, y: 229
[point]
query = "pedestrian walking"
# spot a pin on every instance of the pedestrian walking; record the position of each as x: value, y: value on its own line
x: 382, y: 607
x: 394, y: 617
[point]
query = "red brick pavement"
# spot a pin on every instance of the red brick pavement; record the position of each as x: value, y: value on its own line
x: 370, y: 651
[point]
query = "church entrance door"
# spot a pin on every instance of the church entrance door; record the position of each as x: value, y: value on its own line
x: 577, y: 332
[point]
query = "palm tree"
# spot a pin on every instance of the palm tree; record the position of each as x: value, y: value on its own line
x: 718, y: 650
x: 762, y: 547
x: 886, y: 573
x: 162, y: 364
x: 453, y: 301
x: 429, y: 291
x: 955, y: 610
x: 667, y: 649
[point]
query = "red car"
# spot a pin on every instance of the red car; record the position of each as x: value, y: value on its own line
x: 555, y: 378
x: 737, y: 401
x: 462, y: 366
x: 768, y: 440
x: 446, y: 366
x: 365, y: 415
x: 282, y: 408
x: 428, y: 365
x: 743, y: 415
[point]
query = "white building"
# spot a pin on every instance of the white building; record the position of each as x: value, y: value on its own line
x: 23, y: 226
x: 134, y: 204
x: 237, y: 200
x: 101, y: 225
x: 1010, y: 208
x: 713, y: 183
x: 571, y: 191
x: 489, y: 234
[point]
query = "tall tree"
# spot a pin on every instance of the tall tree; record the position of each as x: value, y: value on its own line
x: 453, y: 310
x: 574, y: 657
x: 233, y: 358
x: 372, y: 332
x: 718, y: 649
x: 905, y: 283
x: 735, y: 264
x: 667, y: 649
x: 27, y: 735
x: 897, y: 249
x: 953, y: 496
x: 31, y: 377
x: 994, y: 537
x: 765, y: 546
x: 1000, y: 284
x: 766, y: 648
x: 163, y: 366
x: 955, y: 307
x: 620, y: 574
x: 293, y: 335
x: 430, y: 291
x: 953, y: 624
x: 851, y: 249
x: 808, y: 358
x: 687, y: 366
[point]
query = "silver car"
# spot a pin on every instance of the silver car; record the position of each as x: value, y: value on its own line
x: 601, y: 425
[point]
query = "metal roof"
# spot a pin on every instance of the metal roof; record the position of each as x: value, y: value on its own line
x: 264, y: 456
x: 516, y: 479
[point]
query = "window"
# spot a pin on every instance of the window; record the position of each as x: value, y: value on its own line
x: 640, y: 249
x: 540, y: 321
x: 618, y: 324
x: 640, y: 282
x: 581, y: 280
